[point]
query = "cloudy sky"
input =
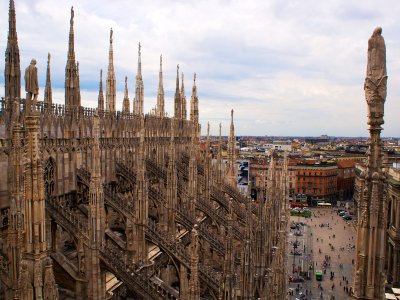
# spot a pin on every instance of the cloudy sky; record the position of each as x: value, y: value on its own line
x: 293, y: 67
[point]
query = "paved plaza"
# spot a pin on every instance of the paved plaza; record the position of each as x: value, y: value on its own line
x: 325, y: 243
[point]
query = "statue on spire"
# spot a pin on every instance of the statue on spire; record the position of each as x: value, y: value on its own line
x: 376, y: 78
x: 31, y: 82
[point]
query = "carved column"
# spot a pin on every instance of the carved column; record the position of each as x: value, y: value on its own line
x: 142, y: 205
x: 370, y: 276
x: 96, y: 219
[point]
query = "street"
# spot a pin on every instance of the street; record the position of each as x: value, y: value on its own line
x: 325, y: 243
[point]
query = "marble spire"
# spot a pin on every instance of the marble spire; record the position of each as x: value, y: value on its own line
x: 111, y: 89
x: 48, y: 94
x: 177, y: 99
x: 138, y: 102
x: 125, y: 103
x: 160, y: 110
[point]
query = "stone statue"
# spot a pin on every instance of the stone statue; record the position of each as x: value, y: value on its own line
x: 31, y: 82
x: 376, y: 66
x: 375, y: 81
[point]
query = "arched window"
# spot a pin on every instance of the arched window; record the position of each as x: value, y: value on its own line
x: 49, y: 175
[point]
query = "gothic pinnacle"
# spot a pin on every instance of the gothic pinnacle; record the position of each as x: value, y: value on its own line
x: 12, y: 28
x: 125, y: 104
x: 100, y: 103
x: 126, y: 87
x: 48, y: 95
x: 177, y: 78
x: 72, y: 90
x: 12, y: 71
x: 160, y: 94
x: 111, y: 88
x: 194, y: 103
x: 139, y: 72
x: 138, y: 101
x: 183, y: 99
x: 178, y: 100
x: 71, y: 50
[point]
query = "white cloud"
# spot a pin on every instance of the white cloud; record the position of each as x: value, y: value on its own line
x: 286, y: 67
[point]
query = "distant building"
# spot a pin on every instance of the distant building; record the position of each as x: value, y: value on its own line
x: 322, y: 140
x: 317, y: 180
x: 345, y: 179
x: 280, y: 145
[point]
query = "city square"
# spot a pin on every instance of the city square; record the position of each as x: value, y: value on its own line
x: 327, y: 244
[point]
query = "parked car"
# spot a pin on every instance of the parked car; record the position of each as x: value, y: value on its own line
x: 347, y: 217
x: 342, y: 213
x: 296, y: 279
x: 340, y: 210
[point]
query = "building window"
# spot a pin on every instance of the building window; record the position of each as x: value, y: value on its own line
x: 49, y: 172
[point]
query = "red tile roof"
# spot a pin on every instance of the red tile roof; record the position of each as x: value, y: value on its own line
x: 346, y: 163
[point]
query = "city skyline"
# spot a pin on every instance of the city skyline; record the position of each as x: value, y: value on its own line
x: 290, y: 70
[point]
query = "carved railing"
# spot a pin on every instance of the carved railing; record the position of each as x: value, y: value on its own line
x: 183, y: 217
x: 66, y: 218
x: 220, y: 197
x: 126, y: 172
x: 183, y: 169
x: 177, y: 250
x: 237, y: 196
x: 219, y: 216
x: 115, y: 200
x: 188, y: 222
x: 110, y: 196
x: 156, y: 170
x: 144, y: 286
x: 84, y: 175
x: 111, y: 255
